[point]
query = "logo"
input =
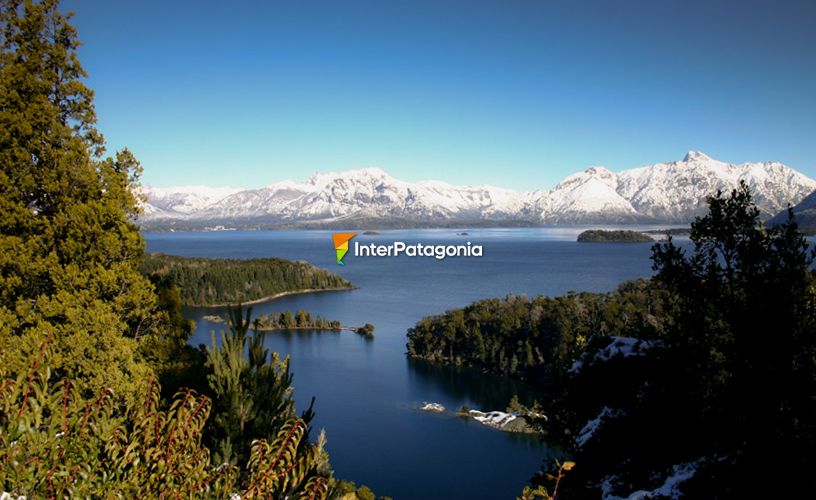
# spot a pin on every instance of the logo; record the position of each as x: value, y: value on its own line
x: 341, y: 245
x: 400, y: 248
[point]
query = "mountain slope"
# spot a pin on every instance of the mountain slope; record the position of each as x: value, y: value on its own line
x: 673, y: 192
x: 804, y: 213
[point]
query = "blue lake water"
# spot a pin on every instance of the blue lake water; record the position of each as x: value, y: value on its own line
x: 368, y: 393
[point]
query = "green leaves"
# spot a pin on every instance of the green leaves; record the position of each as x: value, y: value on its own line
x: 68, y: 246
x: 55, y: 443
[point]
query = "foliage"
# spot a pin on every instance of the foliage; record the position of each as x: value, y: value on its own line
x: 233, y: 281
x: 604, y: 236
x: 743, y: 338
x: 734, y: 382
x: 56, y: 443
x: 534, y: 415
x: 282, y: 467
x: 167, y: 348
x: 347, y: 490
x: 536, y: 338
x: 68, y: 246
x: 252, y: 394
x: 300, y: 320
x: 81, y: 411
x: 540, y: 492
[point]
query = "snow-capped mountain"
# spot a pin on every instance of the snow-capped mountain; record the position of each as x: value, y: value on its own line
x: 182, y: 200
x: 676, y: 191
x: 664, y: 192
x: 368, y: 192
x: 588, y: 196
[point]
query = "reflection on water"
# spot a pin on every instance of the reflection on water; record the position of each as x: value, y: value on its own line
x: 471, y: 386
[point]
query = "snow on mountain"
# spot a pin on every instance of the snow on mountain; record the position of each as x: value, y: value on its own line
x: 166, y: 201
x: 664, y: 192
x: 369, y: 192
x: 586, y: 196
x: 676, y: 191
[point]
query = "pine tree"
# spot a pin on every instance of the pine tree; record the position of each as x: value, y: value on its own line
x: 68, y: 244
x: 252, y: 394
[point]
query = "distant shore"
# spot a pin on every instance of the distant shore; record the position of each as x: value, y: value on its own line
x: 276, y: 296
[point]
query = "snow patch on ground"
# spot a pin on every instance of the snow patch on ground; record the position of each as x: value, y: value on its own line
x: 497, y: 419
x: 434, y: 407
x: 620, y: 346
x: 670, y: 488
x: 588, y: 430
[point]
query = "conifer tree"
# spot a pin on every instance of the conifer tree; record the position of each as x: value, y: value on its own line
x: 252, y: 393
x: 68, y: 244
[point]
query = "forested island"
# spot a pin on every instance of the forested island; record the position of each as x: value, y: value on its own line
x: 219, y: 282
x: 605, y: 236
x: 686, y: 384
x: 300, y: 320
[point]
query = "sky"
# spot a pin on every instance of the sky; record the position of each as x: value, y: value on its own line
x: 514, y: 93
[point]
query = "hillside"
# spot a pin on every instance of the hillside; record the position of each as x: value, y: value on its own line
x: 805, y: 213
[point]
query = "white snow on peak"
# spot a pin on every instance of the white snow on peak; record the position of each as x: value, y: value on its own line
x: 673, y: 192
x: 696, y: 156
x: 184, y: 199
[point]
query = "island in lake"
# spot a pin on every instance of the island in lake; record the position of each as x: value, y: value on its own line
x: 304, y: 320
x: 220, y: 282
x: 604, y: 236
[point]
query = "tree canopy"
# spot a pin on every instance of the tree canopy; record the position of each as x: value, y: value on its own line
x: 68, y: 246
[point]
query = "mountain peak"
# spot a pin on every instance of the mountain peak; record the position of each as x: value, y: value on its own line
x: 696, y: 156
x: 597, y: 170
x: 321, y: 178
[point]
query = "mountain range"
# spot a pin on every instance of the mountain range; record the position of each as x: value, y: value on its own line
x: 673, y: 192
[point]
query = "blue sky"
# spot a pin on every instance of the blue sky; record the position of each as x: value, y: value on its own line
x: 516, y: 93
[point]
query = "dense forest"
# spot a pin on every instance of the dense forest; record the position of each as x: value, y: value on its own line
x: 537, y: 338
x: 697, y: 383
x: 209, y: 282
x: 604, y: 236
x: 100, y: 394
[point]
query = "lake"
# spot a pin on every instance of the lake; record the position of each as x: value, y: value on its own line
x: 368, y: 392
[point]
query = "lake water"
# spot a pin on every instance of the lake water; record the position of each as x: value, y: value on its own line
x: 367, y: 391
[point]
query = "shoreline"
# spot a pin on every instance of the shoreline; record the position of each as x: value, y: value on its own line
x: 269, y: 298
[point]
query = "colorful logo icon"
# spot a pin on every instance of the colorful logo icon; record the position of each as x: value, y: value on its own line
x: 341, y: 245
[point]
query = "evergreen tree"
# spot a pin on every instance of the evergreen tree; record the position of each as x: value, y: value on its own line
x: 744, y: 340
x: 68, y: 244
x: 252, y: 394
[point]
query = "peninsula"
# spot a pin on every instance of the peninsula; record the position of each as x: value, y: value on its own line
x: 204, y: 282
